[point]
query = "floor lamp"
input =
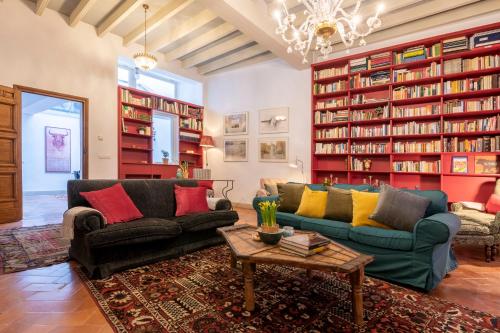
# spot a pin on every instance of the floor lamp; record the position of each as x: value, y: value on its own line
x: 299, y: 164
x: 206, y: 142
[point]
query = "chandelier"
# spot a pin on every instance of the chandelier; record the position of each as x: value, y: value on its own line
x: 323, y: 19
x: 145, y: 60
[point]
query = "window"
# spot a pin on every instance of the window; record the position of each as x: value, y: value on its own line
x: 156, y: 85
x: 123, y: 76
x: 165, y: 137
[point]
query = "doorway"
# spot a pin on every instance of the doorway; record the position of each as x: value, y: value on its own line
x: 54, y: 150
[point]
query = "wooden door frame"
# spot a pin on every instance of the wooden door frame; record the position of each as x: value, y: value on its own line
x: 85, y: 117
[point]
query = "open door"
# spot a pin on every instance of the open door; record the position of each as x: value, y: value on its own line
x: 10, y: 156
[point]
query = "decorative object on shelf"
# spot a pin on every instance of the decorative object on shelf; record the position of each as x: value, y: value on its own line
x: 367, y: 164
x: 184, y: 167
x: 207, y: 142
x: 141, y: 130
x: 288, y: 231
x: 269, y: 231
x: 236, y: 124
x: 485, y: 164
x: 57, y: 149
x: 299, y: 164
x: 459, y: 164
x: 199, y: 173
x: 144, y: 60
x: 324, y: 18
x: 273, y: 120
x: 165, y: 154
x: 235, y: 150
x: 327, y: 181
x: 77, y: 174
x: 273, y: 150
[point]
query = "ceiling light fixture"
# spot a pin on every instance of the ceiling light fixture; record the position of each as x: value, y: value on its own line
x: 324, y: 18
x: 145, y: 60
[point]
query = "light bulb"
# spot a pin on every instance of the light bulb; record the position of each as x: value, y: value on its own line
x: 356, y: 19
x: 277, y: 15
x: 380, y: 7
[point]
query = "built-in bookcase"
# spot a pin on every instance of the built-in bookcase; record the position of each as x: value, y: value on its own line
x: 411, y: 110
x: 135, y: 134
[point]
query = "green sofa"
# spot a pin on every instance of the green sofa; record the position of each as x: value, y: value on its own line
x: 420, y: 258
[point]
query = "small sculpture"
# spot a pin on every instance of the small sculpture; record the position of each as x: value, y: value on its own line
x: 367, y: 164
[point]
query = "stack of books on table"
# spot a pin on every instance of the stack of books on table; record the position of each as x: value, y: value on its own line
x: 380, y: 60
x: 304, y: 245
x: 455, y: 44
x: 358, y: 65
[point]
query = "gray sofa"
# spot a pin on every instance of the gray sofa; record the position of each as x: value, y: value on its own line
x: 103, y: 249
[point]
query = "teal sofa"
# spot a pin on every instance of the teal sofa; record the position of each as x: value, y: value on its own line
x: 420, y: 258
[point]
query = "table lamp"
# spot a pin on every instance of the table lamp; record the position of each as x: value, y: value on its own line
x: 206, y: 142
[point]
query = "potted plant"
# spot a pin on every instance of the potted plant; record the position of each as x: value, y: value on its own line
x: 141, y: 130
x: 165, y: 154
x: 269, y: 231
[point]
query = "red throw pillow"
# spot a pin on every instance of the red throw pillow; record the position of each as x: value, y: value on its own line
x: 114, y: 203
x: 190, y: 200
x: 209, y: 184
x: 493, y: 204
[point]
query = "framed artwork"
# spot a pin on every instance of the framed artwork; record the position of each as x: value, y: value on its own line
x: 235, y: 150
x: 57, y: 149
x: 236, y: 124
x: 485, y: 164
x: 459, y: 164
x: 273, y: 150
x: 273, y: 120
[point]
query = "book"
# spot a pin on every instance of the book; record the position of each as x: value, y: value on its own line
x: 302, y: 252
x: 305, y: 241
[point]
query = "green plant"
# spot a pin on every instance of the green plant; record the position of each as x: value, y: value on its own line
x: 268, y: 212
x: 165, y: 153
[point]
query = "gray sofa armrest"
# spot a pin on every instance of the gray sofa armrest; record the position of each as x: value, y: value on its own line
x: 88, y: 221
x: 223, y: 204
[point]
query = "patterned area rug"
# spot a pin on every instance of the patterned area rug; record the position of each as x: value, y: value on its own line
x: 201, y: 293
x: 32, y: 247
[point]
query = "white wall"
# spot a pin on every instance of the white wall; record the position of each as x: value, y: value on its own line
x: 44, y: 52
x: 270, y: 84
x: 35, y: 179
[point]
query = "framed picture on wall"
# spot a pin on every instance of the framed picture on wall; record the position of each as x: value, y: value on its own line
x: 273, y: 150
x: 273, y: 120
x: 57, y: 149
x: 236, y: 124
x: 459, y: 164
x: 235, y: 150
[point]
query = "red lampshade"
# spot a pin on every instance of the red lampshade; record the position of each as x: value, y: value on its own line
x: 207, y: 141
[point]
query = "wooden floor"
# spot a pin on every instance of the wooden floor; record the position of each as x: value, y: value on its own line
x: 53, y: 299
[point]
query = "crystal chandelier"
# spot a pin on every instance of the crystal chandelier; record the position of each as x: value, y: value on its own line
x: 145, y: 60
x: 324, y: 18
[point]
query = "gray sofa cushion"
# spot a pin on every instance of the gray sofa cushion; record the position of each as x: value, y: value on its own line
x: 207, y: 220
x: 133, y: 232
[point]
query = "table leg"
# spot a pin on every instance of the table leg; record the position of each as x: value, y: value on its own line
x: 248, y: 270
x: 309, y: 273
x: 233, y: 261
x: 357, y: 278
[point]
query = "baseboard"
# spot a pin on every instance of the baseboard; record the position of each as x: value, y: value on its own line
x: 242, y: 205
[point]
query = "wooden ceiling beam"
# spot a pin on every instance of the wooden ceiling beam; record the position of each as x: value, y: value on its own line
x: 202, y: 40
x: 232, y: 58
x: 80, y: 11
x: 217, y: 50
x: 117, y: 16
x: 162, y: 15
x: 255, y: 60
x: 40, y: 6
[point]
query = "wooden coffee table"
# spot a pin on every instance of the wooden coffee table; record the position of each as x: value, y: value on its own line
x: 337, y: 258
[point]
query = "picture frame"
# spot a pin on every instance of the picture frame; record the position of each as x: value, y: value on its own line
x: 236, y: 150
x: 459, y: 164
x: 236, y: 124
x: 57, y: 150
x: 485, y: 164
x: 273, y: 150
x: 274, y: 120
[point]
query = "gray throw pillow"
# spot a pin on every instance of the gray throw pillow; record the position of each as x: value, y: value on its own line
x: 399, y: 209
x: 290, y: 197
x: 272, y: 189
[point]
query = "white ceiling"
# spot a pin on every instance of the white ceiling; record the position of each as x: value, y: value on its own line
x: 213, y: 35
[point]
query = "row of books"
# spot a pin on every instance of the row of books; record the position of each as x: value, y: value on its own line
x: 403, y: 75
x: 369, y: 148
x: 372, y: 62
x: 191, y: 137
x: 472, y: 84
x: 336, y: 132
x: 370, y: 114
x: 433, y: 146
x: 417, y: 166
x: 356, y: 164
x: 330, y: 72
x: 330, y: 148
x: 472, y: 125
x: 365, y: 99
x: 415, y: 111
x: 479, y: 39
x: 382, y: 130
x: 484, y: 144
x: 131, y: 113
x: 416, y: 128
x: 328, y: 117
x: 416, y: 53
x: 304, y: 245
x: 455, y: 44
x: 374, y: 79
x: 481, y: 104
x: 465, y: 65
x: 416, y: 91
x: 332, y: 103
x: 329, y: 87
x: 191, y: 123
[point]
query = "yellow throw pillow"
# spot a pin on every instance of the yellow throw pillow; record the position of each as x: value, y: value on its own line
x: 313, y: 203
x: 363, y: 205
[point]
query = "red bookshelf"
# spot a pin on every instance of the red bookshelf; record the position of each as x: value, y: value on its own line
x: 412, y: 125
x: 135, y: 140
